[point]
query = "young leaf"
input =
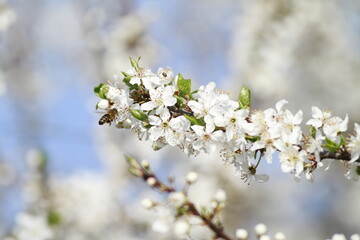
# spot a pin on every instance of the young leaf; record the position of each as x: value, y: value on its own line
x: 101, y: 90
x: 179, y: 100
x: 244, y: 98
x: 333, y: 147
x: 342, y: 141
x: 184, y: 85
x: 313, y: 131
x: 53, y: 218
x: 139, y: 115
x: 134, y: 63
x: 195, y: 121
x: 132, y: 162
x: 252, y: 138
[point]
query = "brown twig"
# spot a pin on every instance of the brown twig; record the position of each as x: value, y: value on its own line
x: 219, y: 231
x: 345, y: 156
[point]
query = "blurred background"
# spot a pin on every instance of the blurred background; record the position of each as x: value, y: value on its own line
x: 58, y: 167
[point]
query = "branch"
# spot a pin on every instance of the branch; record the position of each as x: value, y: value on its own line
x: 144, y: 172
x: 219, y: 231
x: 343, y: 156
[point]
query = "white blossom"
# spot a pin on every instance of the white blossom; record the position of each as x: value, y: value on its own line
x: 338, y: 236
x: 177, y: 199
x: 334, y: 126
x: 355, y: 237
x: 32, y: 227
x: 314, y: 145
x: 145, y: 77
x: 147, y: 203
x: 241, y: 234
x: 191, y: 177
x: 166, y: 75
x: 181, y: 228
x: 220, y: 196
x: 291, y: 159
x: 207, y: 137
x: 319, y: 117
x: 279, y: 236
x: 260, y: 229
x: 103, y: 104
x: 160, y: 97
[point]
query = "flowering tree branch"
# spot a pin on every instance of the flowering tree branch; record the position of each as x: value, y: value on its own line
x: 164, y: 109
x: 183, y: 208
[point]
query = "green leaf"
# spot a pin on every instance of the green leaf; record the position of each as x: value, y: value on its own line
x: 101, y: 90
x: 136, y: 172
x: 132, y: 161
x: 333, y: 147
x: 252, y: 138
x: 126, y: 74
x: 53, y: 218
x: 358, y: 170
x: 134, y: 63
x: 244, y: 98
x: 127, y: 78
x: 342, y: 141
x: 139, y: 115
x: 313, y: 131
x: 184, y: 85
x: 195, y: 121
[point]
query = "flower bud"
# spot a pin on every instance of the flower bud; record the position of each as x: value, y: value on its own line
x: 181, y: 228
x: 355, y: 237
x: 191, y: 177
x: 279, y: 236
x: 220, y: 196
x: 241, y: 234
x: 214, y: 204
x: 338, y: 237
x: 145, y: 164
x: 264, y: 237
x: 151, y: 181
x: 147, y: 203
x: 103, y: 104
x: 177, y: 199
x: 260, y: 229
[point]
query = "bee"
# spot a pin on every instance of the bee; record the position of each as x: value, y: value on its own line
x: 108, y: 117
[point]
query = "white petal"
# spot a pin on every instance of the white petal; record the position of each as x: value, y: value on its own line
x: 195, y: 106
x: 199, y: 130
x: 316, y: 112
x: 148, y: 106
x: 298, y: 117
x: 257, y: 145
x: 344, y: 124
x: 164, y: 114
x: 357, y: 128
x: 261, y: 178
x: 218, y: 136
x: 169, y: 101
x: 155, y: 133
x: 280, y: 104
x: 314, y: 122
x: 154, y: 120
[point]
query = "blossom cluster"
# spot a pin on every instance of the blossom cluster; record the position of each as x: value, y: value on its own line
x: 162, y: 108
